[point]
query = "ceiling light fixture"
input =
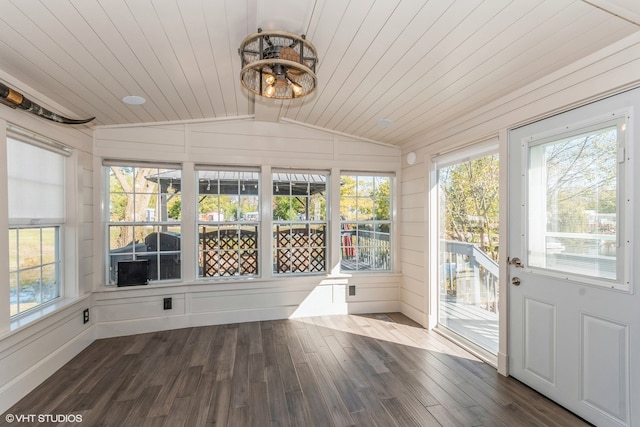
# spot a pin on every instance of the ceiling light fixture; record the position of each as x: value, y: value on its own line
x: 133, y: 100
x: 278, y: 64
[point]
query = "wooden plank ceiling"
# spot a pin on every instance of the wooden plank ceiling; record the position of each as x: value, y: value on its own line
x: 417, y: 63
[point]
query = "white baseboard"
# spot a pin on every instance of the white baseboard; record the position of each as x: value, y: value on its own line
x: 503, y: 364
x: 108, y: 329
x: 28, y: 380
x: 154, y: 324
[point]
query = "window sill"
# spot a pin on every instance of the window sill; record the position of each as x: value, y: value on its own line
x: 41, y: 314
x: 361, y: 272
x: 253, y: 281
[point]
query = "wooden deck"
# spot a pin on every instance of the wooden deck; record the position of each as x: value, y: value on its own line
x: 377, y: 370
x: 473, y: 323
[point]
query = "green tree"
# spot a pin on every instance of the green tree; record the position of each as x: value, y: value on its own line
x: 174, y: 208
x: 286, y: 208
x: 348, y: 199
x: 382, y: 199
x: 469, y: 195
x: 580, y: 176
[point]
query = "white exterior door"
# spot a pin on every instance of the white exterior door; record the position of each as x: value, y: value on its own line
x: 574, y: 308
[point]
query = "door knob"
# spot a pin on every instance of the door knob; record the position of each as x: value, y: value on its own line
x: 515, y: 281
x: 515, y: 261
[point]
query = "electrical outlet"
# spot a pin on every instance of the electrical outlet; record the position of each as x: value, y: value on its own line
x: 85, y: 315
x: 352, y: 290
x: 167, y: 303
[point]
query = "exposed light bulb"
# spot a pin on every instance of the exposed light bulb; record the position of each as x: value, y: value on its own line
x: 296, y: 88
x: 269, y: 79
x: 269, y: 91
x: 208, y: 184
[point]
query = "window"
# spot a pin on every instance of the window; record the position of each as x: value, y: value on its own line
x: 467, y: 188
x: 228, y: 223
x: 574, y: 202
x: 144, y: 219
x: 299, y: 222
x: 36, y: 215
x: 365, y: 228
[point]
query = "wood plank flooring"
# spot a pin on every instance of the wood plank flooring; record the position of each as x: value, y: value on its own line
x: 376, y: 370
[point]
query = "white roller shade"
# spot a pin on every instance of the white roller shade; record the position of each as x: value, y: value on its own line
x: 36, y: 184
x: 466, y: 154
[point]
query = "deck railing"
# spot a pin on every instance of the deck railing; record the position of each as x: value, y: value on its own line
x: 365, y: 250
x: 469, y: 275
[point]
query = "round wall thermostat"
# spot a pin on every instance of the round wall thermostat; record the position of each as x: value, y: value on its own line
x: 411, y: 158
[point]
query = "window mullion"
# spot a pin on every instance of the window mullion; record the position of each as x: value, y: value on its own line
x: 334, y: 222
x: 266, y: 242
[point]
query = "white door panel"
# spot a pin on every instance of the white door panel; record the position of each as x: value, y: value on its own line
x: 574, y: 317
x: 604, y: 369
x: 540, y: 339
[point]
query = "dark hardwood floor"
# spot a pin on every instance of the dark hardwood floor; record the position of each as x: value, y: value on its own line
x: 377, y: 370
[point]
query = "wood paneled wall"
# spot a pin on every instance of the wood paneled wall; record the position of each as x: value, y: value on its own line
x: 612, y: 70
x: 244, y: 142
x: 34, y: 347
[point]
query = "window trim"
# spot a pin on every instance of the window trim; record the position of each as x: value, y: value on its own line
x: 189, y: 224
x: 257, y: 223
x: 619, y: 119
x: 107, y: 164
x: 273, y: 223
x: 390, y: 222
x: 63, y: 279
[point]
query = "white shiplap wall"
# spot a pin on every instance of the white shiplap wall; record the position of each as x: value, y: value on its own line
x: 611, y: 70
x: 37, y: 345
x: 247, y: 142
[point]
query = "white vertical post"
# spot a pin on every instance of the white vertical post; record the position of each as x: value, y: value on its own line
x: 189, y: 232
x: 4, y: 230
x: 265, y: 255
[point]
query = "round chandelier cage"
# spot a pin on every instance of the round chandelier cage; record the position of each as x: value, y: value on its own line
x: 278, y: 64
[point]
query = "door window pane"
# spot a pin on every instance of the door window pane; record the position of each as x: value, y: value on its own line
x: 573, y: 204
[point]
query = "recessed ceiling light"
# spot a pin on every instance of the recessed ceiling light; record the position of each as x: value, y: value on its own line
x: 133, y: 100
x: 385, y: 123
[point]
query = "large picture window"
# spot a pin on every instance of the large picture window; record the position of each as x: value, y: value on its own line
x: 365, y: 213
x: 36, y: 215
x: 228, y: 223
x: 144, y: 219
x: 299, y: 222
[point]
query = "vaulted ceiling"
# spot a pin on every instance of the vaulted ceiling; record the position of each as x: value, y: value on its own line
x: 416, y: 63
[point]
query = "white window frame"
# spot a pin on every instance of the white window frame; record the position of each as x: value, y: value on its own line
x: 279, y: 188
x: 56, y: 224
x: 373, y: 222
x: 245, y: 174
x: 110, y: 272
x: 620, y: 119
